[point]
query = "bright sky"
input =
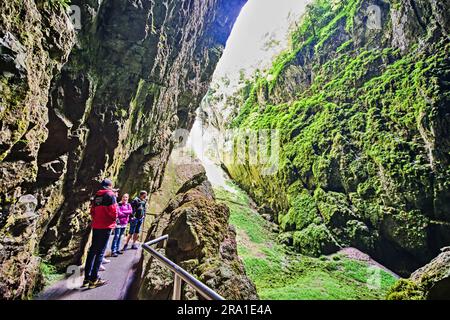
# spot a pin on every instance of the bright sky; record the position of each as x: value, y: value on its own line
x: 260, y: 33
x: 259, y: 22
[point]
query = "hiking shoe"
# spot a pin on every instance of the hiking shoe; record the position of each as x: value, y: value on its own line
x: 119, y: 252
x: 102, y: 268
x: 125, y: 247
x: 105, y: 261
x: 97, y: 283
x: 85, y: 283
x: 114, y: 255
x: 134, y: 247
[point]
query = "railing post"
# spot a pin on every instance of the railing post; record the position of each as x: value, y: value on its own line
x: 180, y: 275
x: 177, y: 282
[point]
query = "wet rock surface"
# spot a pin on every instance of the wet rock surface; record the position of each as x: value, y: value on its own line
x: 362, y: 111
x: 79, y: 105
x: 201, y: 241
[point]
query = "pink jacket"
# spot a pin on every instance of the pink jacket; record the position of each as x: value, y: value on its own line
x: 124, y: 213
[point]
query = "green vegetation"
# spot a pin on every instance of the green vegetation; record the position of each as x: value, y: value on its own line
x: 49, y: 273
x: 279, y: 273
x: 59, y: 3
x: 359, y: 148
x: 405, y: 289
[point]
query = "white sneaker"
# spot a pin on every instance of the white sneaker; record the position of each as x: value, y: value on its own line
x: 102, y: 268
x: 105, y: 261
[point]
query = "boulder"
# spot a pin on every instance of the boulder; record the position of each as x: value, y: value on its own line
x: 431, y: 282
x: 201, y: 241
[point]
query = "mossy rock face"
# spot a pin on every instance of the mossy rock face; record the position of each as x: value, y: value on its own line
x: 405, y: 290
x: 409, y: 230
x: 431, y: 282
x: 200, y: 240
x: 72, y: 115
x: 302, y: 213
x: 334, y: 207
x: 315, y: 240
x: 364, y: 124
x: 358, y: 232
x: 286, y: 238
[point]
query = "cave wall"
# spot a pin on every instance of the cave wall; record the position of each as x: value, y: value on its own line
x: 364, y: 119
x: 133, y: 73
x: 200, y: 239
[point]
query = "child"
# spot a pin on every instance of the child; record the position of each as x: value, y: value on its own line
x: 124, y: 212
x: 139, y: 211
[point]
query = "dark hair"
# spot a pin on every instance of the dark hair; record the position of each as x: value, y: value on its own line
x: 142, y: 193
x: 106, y: 183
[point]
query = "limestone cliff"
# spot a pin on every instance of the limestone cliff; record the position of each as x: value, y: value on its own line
x: 135, y: 72
x: 200, y: 240
x: 35, y: 41
x: 361, y: 101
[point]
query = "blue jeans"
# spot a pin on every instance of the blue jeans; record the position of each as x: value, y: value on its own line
x: 96, y: 252
x: 118, y: 232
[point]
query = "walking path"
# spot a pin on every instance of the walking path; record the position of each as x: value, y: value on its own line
x: 120, y: 274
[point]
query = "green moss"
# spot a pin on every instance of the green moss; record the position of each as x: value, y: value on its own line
x: 345, y: 46
x: 59, y: 3
x: 302, y: 213
x: 356, y: 139
x: 409, y: 229
x: 333, y: 206
x: 315, y: 240
x: 279, y: 273
x: 405, y: 290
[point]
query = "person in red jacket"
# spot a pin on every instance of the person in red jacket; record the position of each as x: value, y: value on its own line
x: 104, y: 215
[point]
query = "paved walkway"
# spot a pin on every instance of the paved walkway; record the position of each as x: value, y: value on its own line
x: 119, y: 273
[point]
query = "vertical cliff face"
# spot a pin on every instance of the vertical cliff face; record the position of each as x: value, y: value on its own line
x: 35, y: 41
x: 200, y: 238
x: 431, y: 282
x: 136, y: 72
x: 361, y: 102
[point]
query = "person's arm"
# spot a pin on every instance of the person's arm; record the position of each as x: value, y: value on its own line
x: 128, y: 211
x: 133, y: 208
x: 111, y: 206
x: 92, y: 208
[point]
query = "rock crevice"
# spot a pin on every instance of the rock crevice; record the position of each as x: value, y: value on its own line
x: 79, y: 105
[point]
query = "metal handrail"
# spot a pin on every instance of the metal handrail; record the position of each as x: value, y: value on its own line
x: 180, y: 274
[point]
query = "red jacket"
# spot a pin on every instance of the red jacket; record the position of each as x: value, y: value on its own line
x: 104, y: 210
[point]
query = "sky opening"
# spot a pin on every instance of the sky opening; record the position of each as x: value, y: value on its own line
x: 260, y: 33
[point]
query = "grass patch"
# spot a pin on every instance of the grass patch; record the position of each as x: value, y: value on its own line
x: 50, y: 274
x: 281, y: 274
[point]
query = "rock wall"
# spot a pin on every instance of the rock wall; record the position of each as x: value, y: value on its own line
x: 361, y: 102
x: 135, y: 72
x: 35, y: 41
x: 200, y: 240
x: 431, y: 282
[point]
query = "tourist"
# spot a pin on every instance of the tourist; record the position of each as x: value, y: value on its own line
x: 139, y: 210
x: 104, y: 215
x: 124, y: 212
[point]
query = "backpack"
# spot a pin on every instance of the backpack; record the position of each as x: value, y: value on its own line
x: 138, y: 208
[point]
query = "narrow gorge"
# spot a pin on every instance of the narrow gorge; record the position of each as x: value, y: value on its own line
x: 354, y: 96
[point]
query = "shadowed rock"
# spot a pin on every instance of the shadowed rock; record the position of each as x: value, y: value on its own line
x: 201, y: 241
